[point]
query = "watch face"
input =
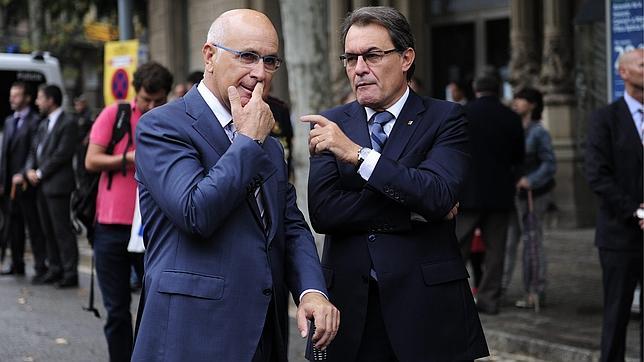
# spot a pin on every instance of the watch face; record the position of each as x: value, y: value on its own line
x: 364, y: 152
x: 639, y: 213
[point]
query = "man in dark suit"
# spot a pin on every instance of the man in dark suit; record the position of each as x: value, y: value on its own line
x: 19, y: 130
x: 385, y: 176
x: 497, y: 146
x: 49, y: 167
x: 225, y: 241
x: 614, y: 172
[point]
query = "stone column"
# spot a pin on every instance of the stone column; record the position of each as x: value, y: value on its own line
x: 403, y: 6
x: 360, y: 3
x: 556, y: 80
x: 339, y: 84
x: 524, y: 67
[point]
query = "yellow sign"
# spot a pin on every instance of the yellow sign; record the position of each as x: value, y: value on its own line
x: 121, y: 60
x: 101, y: 31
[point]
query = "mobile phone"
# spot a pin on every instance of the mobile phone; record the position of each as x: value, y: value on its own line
x: 311, y: 353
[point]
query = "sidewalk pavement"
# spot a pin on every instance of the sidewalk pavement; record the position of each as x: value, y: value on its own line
x: 567, y: 329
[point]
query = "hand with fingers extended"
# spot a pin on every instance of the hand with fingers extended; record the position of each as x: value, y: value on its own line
x: 255, y: 119
x: 327, y: 136
x: 326, y: 315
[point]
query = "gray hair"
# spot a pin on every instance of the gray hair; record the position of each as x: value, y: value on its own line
x: 387, y: 17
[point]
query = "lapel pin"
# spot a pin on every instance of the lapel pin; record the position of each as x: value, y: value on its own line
x: 409, y: 123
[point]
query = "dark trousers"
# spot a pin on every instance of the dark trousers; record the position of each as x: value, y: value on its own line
x: 24, y: 212
x: 62, y: 250
x: 621, y: 271
x: 113, y: 271
x: 375, y: 345
x: 494, y: 226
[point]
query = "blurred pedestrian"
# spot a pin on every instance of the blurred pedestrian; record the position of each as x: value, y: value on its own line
x: 537, y: 178
x: 614, y: 171
x: 116, y: 199
x: 457, y: 92
x: 497, y: 151
x: 194, y: 78
x: 84, y: 120
x: 226, y: 242
x: 383, y: 186
x: 20, y: 129
x: 178, y: 91
x: 282, y: 129
x: 50, y: 168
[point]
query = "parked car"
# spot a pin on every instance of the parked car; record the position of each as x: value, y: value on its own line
x: 35, y: 68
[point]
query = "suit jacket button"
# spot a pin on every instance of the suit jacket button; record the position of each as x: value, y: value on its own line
x: 372, y: 238
x: 267, y: 292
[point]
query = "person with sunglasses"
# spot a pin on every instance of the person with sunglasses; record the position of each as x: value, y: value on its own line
x: 226, y: 242
x: 383, y: 186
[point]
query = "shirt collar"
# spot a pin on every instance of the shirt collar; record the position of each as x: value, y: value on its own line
x: 632, y: 103
x: 394, y: 109
x: 218, y: 109
x: 53, y: 116
x: 22, y: 113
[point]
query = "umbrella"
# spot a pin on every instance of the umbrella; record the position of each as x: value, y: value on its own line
x: 532, y: 254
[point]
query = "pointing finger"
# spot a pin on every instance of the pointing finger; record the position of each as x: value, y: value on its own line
x: 315, y: 119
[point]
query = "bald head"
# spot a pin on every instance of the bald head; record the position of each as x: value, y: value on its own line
x: 232, y: 20
x: 234, y: 54
x: 631, y: 70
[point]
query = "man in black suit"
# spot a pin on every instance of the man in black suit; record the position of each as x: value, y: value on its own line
x: 614, y: 172
x: 386, y: 172
x: 19, y: 130
x: 497, y: 149
x: 49, y: 167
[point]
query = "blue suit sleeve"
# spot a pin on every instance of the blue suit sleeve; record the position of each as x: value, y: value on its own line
x: 431, y: 188
x: 197, y: 200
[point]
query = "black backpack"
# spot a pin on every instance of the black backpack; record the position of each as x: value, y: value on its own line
x: 83, y: 201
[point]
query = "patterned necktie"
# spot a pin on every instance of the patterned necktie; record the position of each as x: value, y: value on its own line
x: 231, y: 132
x: 378, y: 135
x: 641, y: 112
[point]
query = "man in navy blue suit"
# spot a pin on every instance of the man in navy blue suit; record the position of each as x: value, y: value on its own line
x: 614, y: 171
x: 226, y: 242
x: 385, y: 177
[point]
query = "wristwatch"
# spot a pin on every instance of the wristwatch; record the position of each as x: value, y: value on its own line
x: 363, y: 152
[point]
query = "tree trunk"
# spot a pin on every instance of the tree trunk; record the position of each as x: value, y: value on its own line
x: 305, y: 49
x: 36, y: 24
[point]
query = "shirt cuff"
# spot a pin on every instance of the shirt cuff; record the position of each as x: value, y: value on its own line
x: 39, y: 174
x: 307, y: 291
x: 369, y: 164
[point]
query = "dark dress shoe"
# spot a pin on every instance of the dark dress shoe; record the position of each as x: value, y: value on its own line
x: 485, y: 309
x: 14, y: 271
x: 48, y: 278
x: 38, y: 279
x: 71, y: 282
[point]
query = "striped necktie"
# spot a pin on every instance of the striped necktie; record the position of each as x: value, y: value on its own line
x: 378, y: 135
x: 641, y: 130
x: 231, y: 132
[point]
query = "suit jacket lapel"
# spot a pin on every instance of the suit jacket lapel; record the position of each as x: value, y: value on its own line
x: 405, y: 126
x: 355, y: 125
x: 206, y: 124
x: 626, y: 122
x: 52, y: 134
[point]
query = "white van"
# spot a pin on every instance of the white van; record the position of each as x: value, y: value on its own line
x: 34, y: 69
